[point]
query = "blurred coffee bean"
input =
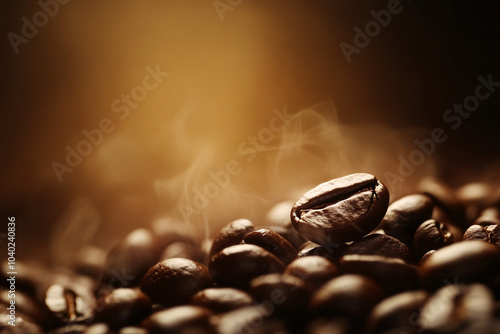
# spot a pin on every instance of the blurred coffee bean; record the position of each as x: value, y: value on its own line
x: 169, y: 230
x: 341, y: 210
x: 467, y: 262
x: 393, y: 275
x: 329, y: 326
x: 97, y: 329
x: 398, y: 311
x: 25, y: 304
x: 221, y: 300
x: 237, y: 265
x: 405, y: 215
x: 22, y: 323
x: 289, y: 295
x: 331, y: 252
x: 485, y: 232
x: 279, y: 214
x: 255, y: 319
x: 430, y: 235
x: 73, y: 303
x: 489, y: 216
x: 180, y: 319
x: 350, y: 296
x: 122, y: 307
x: 272, y: 242
x: 230, y: 235
x: 290, y: 234
x: 90, y: 261
x: 185, y: 250
x: 70, y: 329
x: 379, y: 244
x: 131, y: 258
x: 457, y: 306
x: 425, y: 256
x: 32, y: 277
x: 314, y: 270
x: 174, y: 281
x: 474, y: 197
x: 133, y: 330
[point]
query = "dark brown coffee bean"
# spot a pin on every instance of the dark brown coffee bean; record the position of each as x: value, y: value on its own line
x: 466, y: 261
x: 122, y: 307
x: 289, y: 294
x: 272, y: 242
x: 98, y: 329
x: 338, y: 325
x: 425, y: 256
x: 221, y: 300
x: 314, y: 270
x: 133, y: 330
x: 351, y: 296
x: 397, y: 311
x: 290, y: 234
x: 457, y: 306
x: 474, y: 197
x: 430, y: 235
x: 70, y: 329
x: 131, y: 258
x: 405, y: 215
x: 331, y: 252
x: 180, y: 319
x: 341, y: 210
x: 168, y: 230
x: 185, y: 250
x: 174, y: 281
x: 73, y: 303
x: 255, y: 319
x: 230, y: 235
x: 393, y: 275
x: 237, y: 265
x: 379, y: 244
x: 484, y: 232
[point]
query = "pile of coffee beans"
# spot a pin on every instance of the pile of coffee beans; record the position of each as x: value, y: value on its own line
x: 342, y: 259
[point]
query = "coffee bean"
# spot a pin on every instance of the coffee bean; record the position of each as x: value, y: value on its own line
x: 474, y: 197
x: 485, y: 232
x: 169, y: 230
x: 180, y: 319
x: 342, y: 209
x: 231, y: 234
x: 430, y: 235
x: 23, y: 324
x: 467, y: 262
x: 25, y: 304
x: 73, y: 303
x: 379, y: 244
x: 272, y: 242
x: 221, y: 300
x: 122, y: 307
x: 338, y: 325
x: 331, y: 252
x: 131, y: 258
x: 90, y: 261
x: 70, y: 329
x: 185, y: 250
x: 236, y: 266
x: 174, y: 281
x: 255, y: 319
x: 393, y: 275
x: 97, y: 329
x: 133, y: 330
x: 314, y: 270
x: 290, y: 234
x: 405, y: 215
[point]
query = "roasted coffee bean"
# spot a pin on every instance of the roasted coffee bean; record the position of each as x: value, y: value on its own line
x: 314, y: 270
x: 485, y: 232
x: 338, y: 325
x: 70, y: 304
x: 489, y: 216
x: 430, y: 235
x: 169, y: 230
x: 405, y: 215
x: 425, y: 256
x: 397, y: 311
x: 122, y: 307
x: 331, y: 252
x: 350, y: 296
x: 230, y: 235
x: 25, y: 304
x: 393, y: 275
x: 272, y: 242
x: 289, y: 294
x: 174, y: 281
x: 467, y: 262
x: 474, y: 197
x: 379, y: 244
x: 454, y: 307
x: 133, y: 330
x: 221, y: 300
x: 341, y: 210
x: 98, y: 329
x: 290, y: 234
x: 185, y: 250
x: 237, y: 265
x: 131, y: 258
x: 90, y: 261
x: 180, y: 319
x: 17, y: 323
x: 255, y: 319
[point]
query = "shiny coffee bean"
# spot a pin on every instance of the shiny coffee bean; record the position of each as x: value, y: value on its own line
x: 455, y: 307
x: 255, y: 319
x: 466, y: 261
x: 341, y: 210
x: 379, y: 244
x: 331, y: 252
x: 405, y: 215
x: 131, y: 258
x: 230, y: 235
x: 272, y: 242
x: 430, y: 235
x: 393, y: 275
x: 290, y: 234
x: 289, y: 294
x: 221, y: 300
x: 70, y: 304
x: 397, y: 311
x: 185, y: 250
x: 485, y: 232
x: 122, y: 307
x: 350, y: 296
x: 237, y: 265
x: 98, y: 329
x: 180, y: 319
x: 314, y: 270
x: 174, y: 281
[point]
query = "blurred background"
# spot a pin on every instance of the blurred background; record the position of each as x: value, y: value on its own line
x: 232, y: 66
